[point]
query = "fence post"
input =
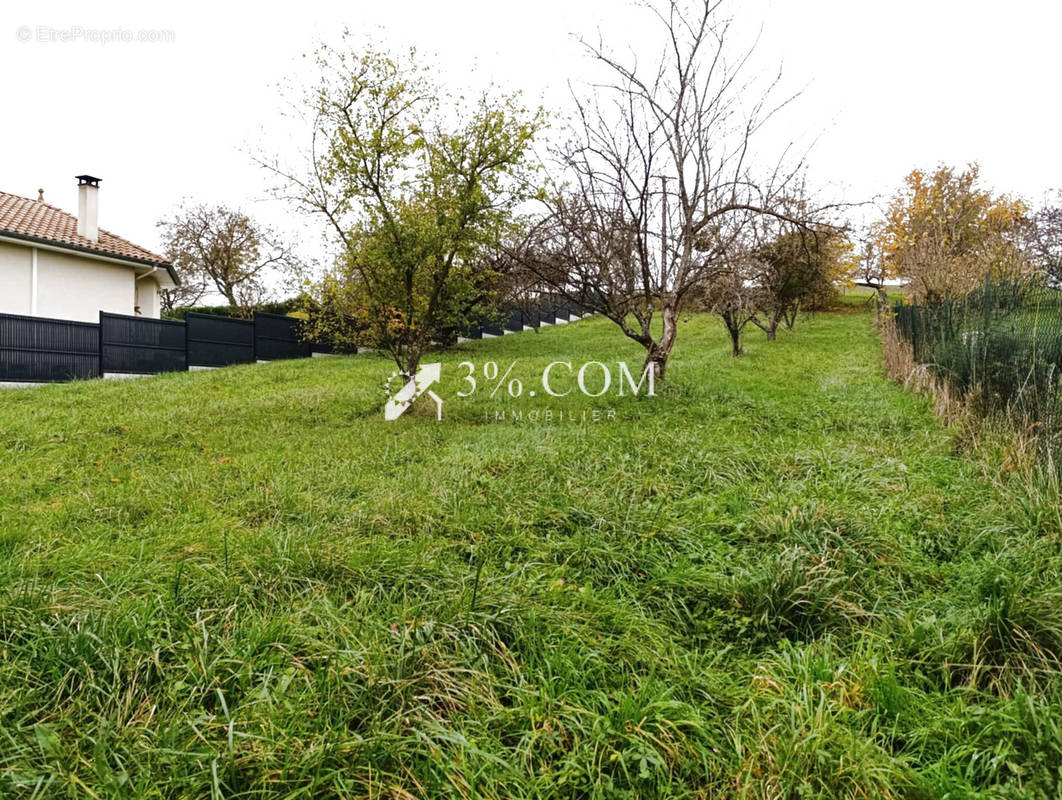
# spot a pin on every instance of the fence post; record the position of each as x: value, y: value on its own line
x: 988, y: 304
x: 914, y: 331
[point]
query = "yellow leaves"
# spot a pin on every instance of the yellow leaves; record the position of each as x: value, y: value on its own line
x: 942, y: 229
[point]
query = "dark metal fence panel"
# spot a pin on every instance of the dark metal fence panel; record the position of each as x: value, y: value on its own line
x: 514, y: 319
x: 473, y: 331
x: 277, y: 337
x: 39, y: 349
x: 547, y: 312
x: 141, y: 345
x: 218, y: 341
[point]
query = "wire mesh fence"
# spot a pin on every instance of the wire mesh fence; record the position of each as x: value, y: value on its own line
x: 1000, y: 348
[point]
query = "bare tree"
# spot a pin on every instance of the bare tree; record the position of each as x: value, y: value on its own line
x: 871, y: 271
x: 660, y: 179
x: 732, y: 296
x: 192, y: 289
x: 1044, y: 234
x: 224, y: 249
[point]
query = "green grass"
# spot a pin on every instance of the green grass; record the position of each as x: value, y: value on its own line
x: 779, y: 578
x: 865, y: 298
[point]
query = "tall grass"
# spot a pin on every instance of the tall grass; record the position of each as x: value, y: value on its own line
x: 780, y: 578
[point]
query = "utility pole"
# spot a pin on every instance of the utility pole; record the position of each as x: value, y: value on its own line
x: 663, y: 227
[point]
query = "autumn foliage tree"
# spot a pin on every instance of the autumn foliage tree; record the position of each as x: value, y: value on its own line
x: 944, y: 232
x: 800, y: 268
x: 223, y: 250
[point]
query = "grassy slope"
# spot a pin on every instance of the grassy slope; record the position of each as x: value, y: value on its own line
x: 245, y: 583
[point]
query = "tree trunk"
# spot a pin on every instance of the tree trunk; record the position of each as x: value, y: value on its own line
x: 770, y: 327
x: 790, y: 317
x: 659, y: 352
x: 883, y: 302
x: 657, y: 360
x: 734, y: 330
x: 412, y: 363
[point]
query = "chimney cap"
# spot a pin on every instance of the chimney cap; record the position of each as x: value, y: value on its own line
x: 82, y: 180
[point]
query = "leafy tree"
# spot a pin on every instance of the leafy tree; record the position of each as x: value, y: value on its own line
x: 800, y: 268
x: 222, y: 249
x: 415, y: 187
x: 944, y: 232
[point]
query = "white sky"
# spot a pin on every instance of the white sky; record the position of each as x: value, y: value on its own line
x: 887, y: 86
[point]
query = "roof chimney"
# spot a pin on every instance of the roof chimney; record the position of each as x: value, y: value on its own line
x: 88, y: 207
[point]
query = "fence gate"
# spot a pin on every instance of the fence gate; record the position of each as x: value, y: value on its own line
x: 141, y: 345
x: 218, y: 341
x: 40, y: 349
x: 277, y: 336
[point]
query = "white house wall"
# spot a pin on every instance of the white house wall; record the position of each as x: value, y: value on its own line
x: 75, y: 288
x: 147, y: 297
x: 71, y: 286
x: 16, y: 279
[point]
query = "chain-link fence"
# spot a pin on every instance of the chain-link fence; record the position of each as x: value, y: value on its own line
x: 1000, y: 348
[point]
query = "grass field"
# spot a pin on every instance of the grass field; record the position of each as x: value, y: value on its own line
x: 779, y: 578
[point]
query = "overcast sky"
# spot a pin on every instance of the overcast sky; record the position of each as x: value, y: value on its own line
x: 886, y: 86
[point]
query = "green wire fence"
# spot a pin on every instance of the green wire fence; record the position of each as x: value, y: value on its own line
x: 1000, y: 348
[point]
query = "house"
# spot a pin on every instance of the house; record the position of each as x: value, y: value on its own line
x: 54, y: 264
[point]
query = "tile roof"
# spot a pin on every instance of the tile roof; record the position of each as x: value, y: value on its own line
x: 35, y: 219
